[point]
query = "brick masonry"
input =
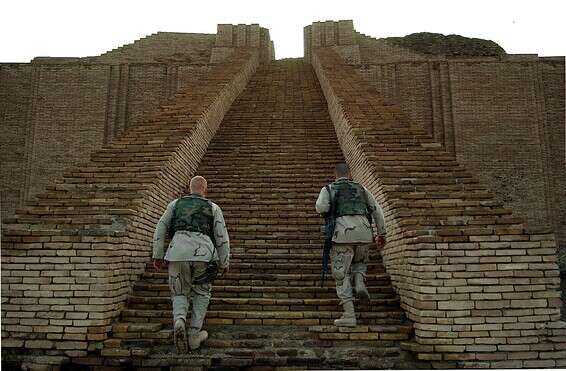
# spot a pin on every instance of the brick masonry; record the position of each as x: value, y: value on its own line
x: 70, y: 257
x: 504, y: 119
x: 56, y: 111
x: 481, y: 289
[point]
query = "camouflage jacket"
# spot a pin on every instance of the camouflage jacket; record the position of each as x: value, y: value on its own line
x: 192, y: 246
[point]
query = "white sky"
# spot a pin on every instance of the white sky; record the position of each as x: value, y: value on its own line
x: 74, y: 28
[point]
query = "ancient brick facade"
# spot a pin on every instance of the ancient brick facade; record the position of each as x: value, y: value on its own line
x: 502, y: 118
x: 56, y: 111
x: 481, y: 288
x: 460, y: 153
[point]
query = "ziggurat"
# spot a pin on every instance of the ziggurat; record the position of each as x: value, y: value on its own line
x: 465, y: 155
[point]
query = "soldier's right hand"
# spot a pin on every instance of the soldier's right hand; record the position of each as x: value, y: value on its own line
x: 380, y: 240
x: 159, y: 264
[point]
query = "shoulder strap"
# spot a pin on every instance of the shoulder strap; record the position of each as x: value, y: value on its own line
x: 331, y: 201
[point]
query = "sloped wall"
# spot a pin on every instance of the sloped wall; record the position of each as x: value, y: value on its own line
x: 481, y: 290
x: 57, y: 111
x: 69, y: 259
x: 503, y: 118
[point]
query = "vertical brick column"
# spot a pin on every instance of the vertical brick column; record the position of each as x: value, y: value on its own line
x: 224, y: 35
x: 230, y: 37
x: 339, y: 35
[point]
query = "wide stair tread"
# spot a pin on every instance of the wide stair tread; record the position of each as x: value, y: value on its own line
x: 274, y: 150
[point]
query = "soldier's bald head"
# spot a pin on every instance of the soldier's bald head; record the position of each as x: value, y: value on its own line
x: 198, y: 185
x: 342, y: 170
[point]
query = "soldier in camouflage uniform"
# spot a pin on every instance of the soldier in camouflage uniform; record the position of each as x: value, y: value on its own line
x: 198, y: 237
x: 353, y: 237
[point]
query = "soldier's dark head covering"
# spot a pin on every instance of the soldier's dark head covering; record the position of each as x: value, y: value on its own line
x: 342, y: 170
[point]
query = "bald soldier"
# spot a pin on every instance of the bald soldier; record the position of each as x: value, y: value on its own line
x: 355, y: 208
x: 199, y: 249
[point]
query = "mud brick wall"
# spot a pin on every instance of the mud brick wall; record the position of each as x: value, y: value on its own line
x: 480, y: 289
x: 553, y: 87
x: 374, y: 51
x: 162, y: 47
x: 229, y: 37
x: 67, y: 121
x: 498, y: 116
x: 498, y: 132
x: 57, y: 114
x: 69, y: 258
x: 15, y: 96
x: 503, y: 119
x: 338, y: 35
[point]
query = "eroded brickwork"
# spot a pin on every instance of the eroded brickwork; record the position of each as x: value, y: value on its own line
x: 445, y: 145
x: 481, y: 290
x: 59, y: 110
x: 497, y: 116
x: 69, y: 259
x: 16, y: 93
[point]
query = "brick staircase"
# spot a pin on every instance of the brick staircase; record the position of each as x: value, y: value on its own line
x: 273, y: 152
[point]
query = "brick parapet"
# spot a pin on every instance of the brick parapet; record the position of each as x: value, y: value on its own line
x: 69, y: 259
x: 340, y: 35
x: 229, y: 37
x: 482, y: 291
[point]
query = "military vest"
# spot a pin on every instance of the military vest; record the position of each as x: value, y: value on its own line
x: 350, y: 198
x: 193, y: 214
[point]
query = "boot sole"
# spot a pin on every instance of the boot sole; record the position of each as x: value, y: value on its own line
x: 181, y: 341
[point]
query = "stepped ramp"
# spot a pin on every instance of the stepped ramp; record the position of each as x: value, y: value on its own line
x: 70, y: 258
x: 275, y: 149
x: 481, y: 289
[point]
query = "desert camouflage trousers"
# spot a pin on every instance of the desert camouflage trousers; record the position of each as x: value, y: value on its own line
x: 348, y: 259
x: 183, y: 291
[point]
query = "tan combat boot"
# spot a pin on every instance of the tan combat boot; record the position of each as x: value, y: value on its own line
x: 180, y: 336
x: 348, y: 319
x: 360, y: 287
x: 196, y: 338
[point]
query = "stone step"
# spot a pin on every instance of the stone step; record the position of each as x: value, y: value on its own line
x: 274, y: 151
x: 271, y: 304
x: 269, y: 346
x: 290, y: 280
x: 378, y: 315
x: 280, y: 292
x: 287, y: 268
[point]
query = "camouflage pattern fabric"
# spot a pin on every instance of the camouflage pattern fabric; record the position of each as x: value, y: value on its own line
x: 348, y: 259
x: 354, y: 228
x: 184, y: 292
x: 193, y: 246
